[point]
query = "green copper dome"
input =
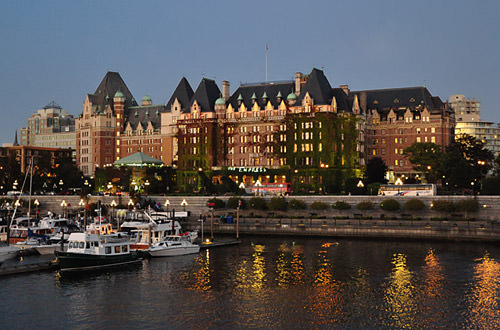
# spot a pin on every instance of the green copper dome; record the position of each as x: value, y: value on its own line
x: 220, y: 101
x: 146, y: 98
x: 240, y: 98
x: 291, y: 96
x: 254, y: 97
x: 279, y: 94
x: 119, y: 94
x: 264, y: 96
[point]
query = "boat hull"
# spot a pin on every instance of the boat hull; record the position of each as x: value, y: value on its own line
x: 174, y: 251
x: 75, y: 262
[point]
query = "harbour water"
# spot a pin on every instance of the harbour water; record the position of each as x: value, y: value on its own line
x: 273, y: 282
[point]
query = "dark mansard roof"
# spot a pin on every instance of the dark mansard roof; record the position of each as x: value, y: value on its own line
x: 109, y: 86
x: 144, y: 115
x: 245, y: 93
x: 414, y: 98
x: 206, y: 94
x: 183, y: 92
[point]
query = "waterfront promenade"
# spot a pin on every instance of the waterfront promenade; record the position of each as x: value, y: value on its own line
x: 483, y: 225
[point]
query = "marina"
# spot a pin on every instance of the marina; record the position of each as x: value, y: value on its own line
x: 274, y: 282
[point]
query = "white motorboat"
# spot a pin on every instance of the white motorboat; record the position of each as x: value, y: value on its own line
x: 173, y: 245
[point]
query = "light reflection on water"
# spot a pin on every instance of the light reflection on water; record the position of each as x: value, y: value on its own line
x: 273, y: 283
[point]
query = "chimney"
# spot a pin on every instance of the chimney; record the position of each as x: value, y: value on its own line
x: 362, y: 100
x: 345, y: 88
x: 225, y: 90
x: 298, y: 78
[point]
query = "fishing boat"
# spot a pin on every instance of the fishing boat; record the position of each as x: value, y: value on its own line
x: 173, y: 245
x: 91, y: 251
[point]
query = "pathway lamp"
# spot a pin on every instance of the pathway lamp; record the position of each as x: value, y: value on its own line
x: 113, y: 205
x: 184, y: 203
x: 130, y: 203
x: 63, y: 205
x: 167, y: 204
x: 37, y: 203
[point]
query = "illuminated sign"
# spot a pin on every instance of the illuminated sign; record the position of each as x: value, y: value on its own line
x: 248, y: 169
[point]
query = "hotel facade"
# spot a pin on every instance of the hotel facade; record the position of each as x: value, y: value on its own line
x: 302, y: 131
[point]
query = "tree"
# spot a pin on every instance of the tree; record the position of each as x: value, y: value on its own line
x: 466, y: 162
x: 426, y: 158
x: 376, y: 170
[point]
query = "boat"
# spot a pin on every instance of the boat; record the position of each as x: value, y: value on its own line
x: 145, y: 228
x: 173, y: 245
x: 91, y: 251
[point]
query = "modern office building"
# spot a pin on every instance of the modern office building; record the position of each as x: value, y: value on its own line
x: 50, y: 127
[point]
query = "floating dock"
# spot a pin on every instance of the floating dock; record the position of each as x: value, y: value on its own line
x: 218, y: 243
x: 28, y: 268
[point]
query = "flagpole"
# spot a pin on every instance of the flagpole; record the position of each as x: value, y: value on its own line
x: 267, y: 48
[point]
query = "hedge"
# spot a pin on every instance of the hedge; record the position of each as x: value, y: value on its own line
x: 258, y: 203
x: 319, y: 206
x: 414, y: 204
x: 232, y: 203
x: 365, y: 206
x: 390, y: 205
x: 341, y: 205
x: 278, y: 204
x: 296, y: 204
x: 219, y: 203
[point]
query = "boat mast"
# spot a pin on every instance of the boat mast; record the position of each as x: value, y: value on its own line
x: 31, y: 185
x: 15, y: 208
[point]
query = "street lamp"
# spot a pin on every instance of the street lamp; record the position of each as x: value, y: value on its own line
x: 63, y: 205
x: 184, y: 203
x: 130, y: 203
x: 61, y: 184
x: 167, y: 204
x: 37, y: 203
x: 113, y: 205
x: 360, y: 184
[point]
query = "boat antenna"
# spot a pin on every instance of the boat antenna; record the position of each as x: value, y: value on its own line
x: 15, y: 208
x: 31, y: 184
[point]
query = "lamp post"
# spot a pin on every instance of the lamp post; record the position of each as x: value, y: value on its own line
x: 113, y: 205
x: 37, y: 203
x: 82, y: 205
x: 167, y: 204
x: 184, y: 203
x: 63, y: 205
x: 130, y: 203
x: 61, y: 185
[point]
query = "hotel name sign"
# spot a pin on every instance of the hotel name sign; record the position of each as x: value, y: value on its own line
x: 248, y: 169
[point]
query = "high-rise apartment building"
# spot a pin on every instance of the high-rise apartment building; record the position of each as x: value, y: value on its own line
x: 50, y: 127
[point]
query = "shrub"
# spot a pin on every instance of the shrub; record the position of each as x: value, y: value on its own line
x: 341, y: 205
x: 365, y: 206
x: 219, y: 203
x: 467, y: 205
x: 232, y: 202
x: 296, y: 204
x: 258, y: 203
x: 390, y: 205
x: 414, y: 204
x: 278, y: 204
x: 319, y: 206
x: 443, y: 206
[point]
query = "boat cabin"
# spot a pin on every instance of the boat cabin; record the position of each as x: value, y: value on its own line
x: 86, y: 243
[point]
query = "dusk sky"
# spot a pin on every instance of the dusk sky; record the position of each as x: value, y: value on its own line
x: 60, y: 50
